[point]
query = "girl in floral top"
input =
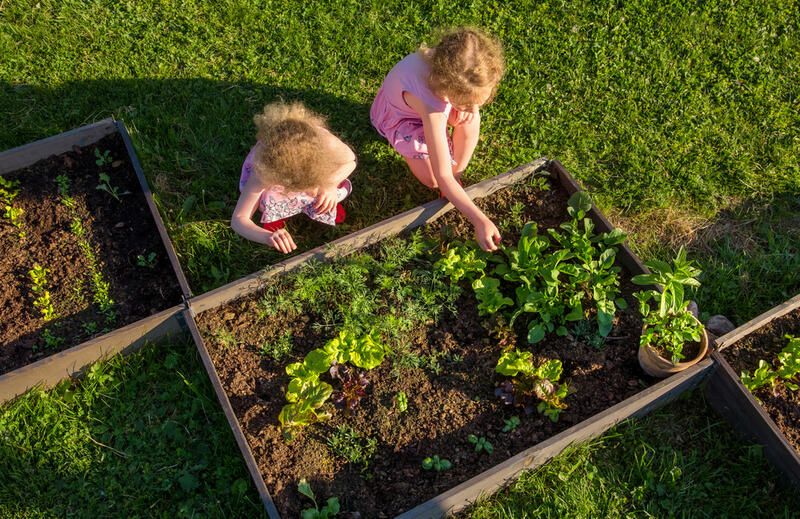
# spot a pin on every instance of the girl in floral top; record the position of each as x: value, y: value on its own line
x: 297, y: 166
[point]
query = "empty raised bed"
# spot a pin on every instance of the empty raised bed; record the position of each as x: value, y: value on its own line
x: 421, y: 430
x: 765, y: 353
x: 87, y: 268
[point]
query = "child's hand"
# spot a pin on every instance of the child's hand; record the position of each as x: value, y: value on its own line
x: 459, y: 117
x: 282, y: 240
x: 326, y: 200
x: 487, y: 235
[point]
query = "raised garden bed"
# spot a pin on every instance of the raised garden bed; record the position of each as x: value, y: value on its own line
x: 443, y: 353
x: 87, y: 268
x: 770, y: 414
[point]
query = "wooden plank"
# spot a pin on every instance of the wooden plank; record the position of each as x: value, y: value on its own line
x: 27, y: 154
x: 757, y: 322
x: 410, y: 219
x: 728, y: 396
x: 148, y: 196
x: 501, y: 475
x: 233, y: 422
x: 51, y: 370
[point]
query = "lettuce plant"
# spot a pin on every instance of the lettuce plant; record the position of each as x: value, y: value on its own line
x: 481, y: 444
x: 531, y: 387
x: 436, y: 464
x: 669, y: 324
x: 461, y: 262
x: 354, y: 386
x: 307, y: 394
x: 331, y: 508
x: 787, y: 371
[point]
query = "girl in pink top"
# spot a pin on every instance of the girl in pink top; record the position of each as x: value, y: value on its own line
x: 296, y: 166
x: 433, y: 90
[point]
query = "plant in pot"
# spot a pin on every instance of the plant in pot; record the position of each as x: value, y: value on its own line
x: 670, y: 332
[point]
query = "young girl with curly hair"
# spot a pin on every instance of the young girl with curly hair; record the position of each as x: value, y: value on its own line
x: 429, y: 92
x: 297, y: 165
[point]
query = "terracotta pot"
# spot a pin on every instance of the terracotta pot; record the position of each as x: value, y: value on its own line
x: 657, y: 366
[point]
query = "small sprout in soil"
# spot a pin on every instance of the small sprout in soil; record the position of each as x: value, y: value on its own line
x: 539, y: 182
x: 481, y: 444
x: 787, y: 371
x: 515, y: 218
x: 51, y: 340
x: 105, y: 185
x: 436, y: 464
x: 38, y: 275
x: 585, y: 332
x: 330, y: 509
x: 147, y: 261
x: 90, y: 328
x: 401, y: 401
x: 104, y: 158
x: 63, y: 185
x: 511, y: 424
x: 14, y: 215
x: 9, y: 189
x: 354, y: 387
x: 345, y: 442
x: 226, y: 338
x: 278, y: 348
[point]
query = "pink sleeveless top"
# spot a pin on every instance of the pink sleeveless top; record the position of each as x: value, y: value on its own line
x: 389, y: 110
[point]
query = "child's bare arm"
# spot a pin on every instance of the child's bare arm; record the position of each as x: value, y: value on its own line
x: 434, y: 125
x: 242, y: 221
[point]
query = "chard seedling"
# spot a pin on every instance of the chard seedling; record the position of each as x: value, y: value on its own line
x: 511, y: 424
x: 670, y: 325
x: 529, y: 387
x: 354, y: 387
x: 436, y: 464
x: 104, y: 184
x: 481, y: 444
x: 330, y: 509
x: 147, y: 261
x: 104, y: 158
x: 401, y: 401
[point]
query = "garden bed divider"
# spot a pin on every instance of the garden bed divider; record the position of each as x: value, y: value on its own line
x: 464, y: 494
x: 728, y: 396
x: 71, y: 362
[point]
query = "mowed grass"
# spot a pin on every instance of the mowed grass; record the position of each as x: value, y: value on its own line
x: 681, y: 118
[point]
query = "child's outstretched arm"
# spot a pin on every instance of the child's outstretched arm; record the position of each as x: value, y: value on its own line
x: 242, y: 221
x: 434, y: 125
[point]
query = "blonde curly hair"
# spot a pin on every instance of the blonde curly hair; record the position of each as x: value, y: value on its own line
x: 293, y: 152
x: 465, y: 63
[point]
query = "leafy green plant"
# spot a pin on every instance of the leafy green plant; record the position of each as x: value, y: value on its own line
x: 147, y: 261
x: 63, y: 183
x: 436, y: 464
x: 354, y: 385
x: 348, y: 444
x: 104, y: 184
x: 9, y: 189
x: 787, y: 370
x: 401, y: 401
x: 103, y: 158
x: 51, y: 340
x: 490, y: 299
x: 307, y: 394
x: 90, y: 328
x: 511, y: 424
x: 481, y: 444
x: 461, y: 262
x: 331, y: 508
x: 14, y: 215
x: 670, y: 325
x: 529, y: 387
x: 38, y: 275
x: 279, y: 348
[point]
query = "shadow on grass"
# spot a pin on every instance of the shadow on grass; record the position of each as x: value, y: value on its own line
x: 191, y: 136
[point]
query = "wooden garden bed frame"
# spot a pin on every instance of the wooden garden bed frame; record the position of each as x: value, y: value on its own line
x: 502, y: 474
x: 71, y: 362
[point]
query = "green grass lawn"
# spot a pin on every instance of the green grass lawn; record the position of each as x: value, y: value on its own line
x: 683, y: 119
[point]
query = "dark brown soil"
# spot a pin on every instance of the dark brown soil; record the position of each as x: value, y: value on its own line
x: 444, y: 408
x: 782, y: 404
x: 118, y: 232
